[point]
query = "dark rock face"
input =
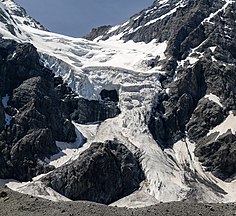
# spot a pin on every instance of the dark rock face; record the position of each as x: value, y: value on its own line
x: 181, y: 28
x: 207, y: 115
x: 168, y: 120
x: 218, y: 155
x: 85, y: 111
x: 37, y: 118
x: 96, y: 32
x: 42, y: 106
x: 40, y: 109
x: 94, y: 111
x: 103, y: 173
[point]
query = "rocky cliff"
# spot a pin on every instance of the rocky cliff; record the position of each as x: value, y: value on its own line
x: 36, y: 111
x: 200, y: 67
x: 160, y: 86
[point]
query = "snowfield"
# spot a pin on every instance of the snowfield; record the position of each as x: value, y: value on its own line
x: 89, y: 67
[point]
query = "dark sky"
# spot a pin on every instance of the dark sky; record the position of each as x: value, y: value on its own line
x: 77, y: 17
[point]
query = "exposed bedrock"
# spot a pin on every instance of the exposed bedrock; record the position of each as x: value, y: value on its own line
x: 37, y: 111
x: 185, y: 111
x: 109, y: 95
x: 206, y: 116
x: 35, y: 118
x: 218, y: 155
x: 103, y: 173
x: 84, y: 111
x: 38, y: 115
x: 96, y: 32
x: 93, y: 111
x: 201, y: 62
x: 172, y: 113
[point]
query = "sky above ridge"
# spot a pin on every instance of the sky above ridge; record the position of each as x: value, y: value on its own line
x: 78, y: 17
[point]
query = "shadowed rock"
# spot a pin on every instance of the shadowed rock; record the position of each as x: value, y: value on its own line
x: 103, y: 173
x: 35, y: 109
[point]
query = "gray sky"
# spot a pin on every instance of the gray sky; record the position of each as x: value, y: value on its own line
x: 78, y: 17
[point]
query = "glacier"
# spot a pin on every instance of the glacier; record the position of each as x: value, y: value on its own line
x: 113, y: 64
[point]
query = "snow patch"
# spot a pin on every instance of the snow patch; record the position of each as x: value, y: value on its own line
x: 189, y: 60
x: 71, y: 151
x: 212, y: 15
x: 228, y: 124
x: 213, y: 48
x: 34, y: 188
x: 114, y: 28
x: 179, y: 5
x: 161, y: 2
x: 214, y: 98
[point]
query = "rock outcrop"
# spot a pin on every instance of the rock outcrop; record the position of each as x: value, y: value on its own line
x: 103, y: 173
x: 38, y: 112
x: 36, y: 120
x: 96, y: 32
x: 218, y: 155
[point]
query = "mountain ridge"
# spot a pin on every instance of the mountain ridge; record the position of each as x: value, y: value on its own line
x: 172, y: 69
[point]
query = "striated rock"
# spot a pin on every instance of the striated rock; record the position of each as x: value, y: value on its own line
x: 103, y: 173
x: 85, y: 111
x: 40, y: 110
x: 26, y: 155
x: 37, y: 94
x: 201, y: 61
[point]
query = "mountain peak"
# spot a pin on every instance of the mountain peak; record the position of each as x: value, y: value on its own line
x: 162, y: 84
x: 19, y: 14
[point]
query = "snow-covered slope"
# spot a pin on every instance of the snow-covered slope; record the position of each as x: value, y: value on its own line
x: 134, y: 70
